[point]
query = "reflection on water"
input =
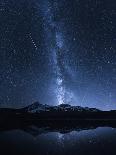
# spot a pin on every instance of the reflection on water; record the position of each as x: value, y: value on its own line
x: 101, y: 140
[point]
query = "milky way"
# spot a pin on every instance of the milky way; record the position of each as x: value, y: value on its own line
x: 53, y: 31
x: 58, y: 52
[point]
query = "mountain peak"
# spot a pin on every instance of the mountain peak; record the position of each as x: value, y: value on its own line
x: 35, y: 104
x: 33, y: 107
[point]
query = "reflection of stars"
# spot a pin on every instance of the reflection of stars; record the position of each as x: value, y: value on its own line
x: 60, y: 138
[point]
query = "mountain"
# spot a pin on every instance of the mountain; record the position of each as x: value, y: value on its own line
x: 38, y: 107
x: 42, y: 112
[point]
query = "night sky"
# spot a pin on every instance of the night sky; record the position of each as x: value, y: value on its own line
x: 58, y: 51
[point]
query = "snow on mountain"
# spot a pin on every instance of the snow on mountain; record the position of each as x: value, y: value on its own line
x: 37, y: 107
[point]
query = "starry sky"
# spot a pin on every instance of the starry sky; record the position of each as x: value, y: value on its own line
x: 58, y: 51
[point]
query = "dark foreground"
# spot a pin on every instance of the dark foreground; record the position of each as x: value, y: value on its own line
x: 51, y: 125
x: 54, y: 137
x: 56, y: 131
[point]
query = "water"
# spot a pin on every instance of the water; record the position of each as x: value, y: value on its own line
x: 34, y: 141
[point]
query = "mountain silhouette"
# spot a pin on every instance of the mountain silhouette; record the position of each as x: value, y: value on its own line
x: 37, y: 107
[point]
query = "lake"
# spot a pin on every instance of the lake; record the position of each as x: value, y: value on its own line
x: 34, y: 141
